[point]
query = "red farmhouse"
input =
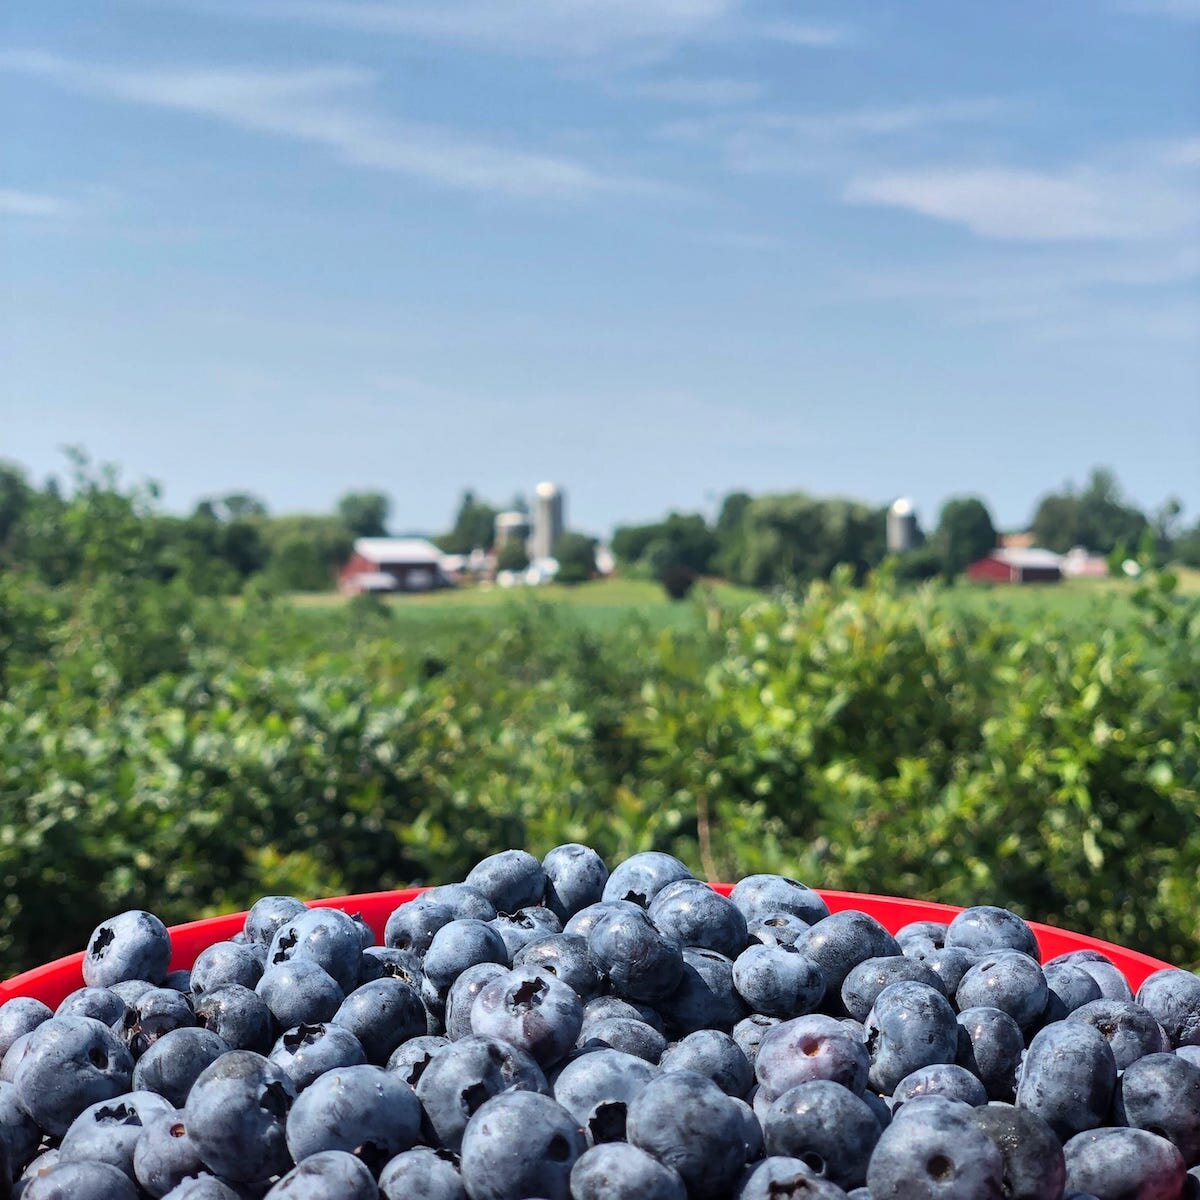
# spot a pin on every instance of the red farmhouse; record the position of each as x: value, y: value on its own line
x: 393, y: 565
x: 1010, y: 564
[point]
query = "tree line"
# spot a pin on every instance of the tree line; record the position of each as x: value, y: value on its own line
x: 94, y: 525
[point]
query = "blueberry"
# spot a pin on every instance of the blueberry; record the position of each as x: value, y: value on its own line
x: 412, y: 926
x: 1070, y: 987
x: 459, y: 945
x: 236, y: 1115
x: 238, y: 1016
x: 1112, y: 983
x: 778, y: 980
x: 582, y: 923
x: 1172, y: 997
x: 986, y: 929
x: 715, y: 1055
x: 941, y: 1079
x: 777, y: 929
x: 1067, y: 1077
x: 951, y: 964
x: 525, y: 925
x: 464, y: 901
x: 422, y: 1172
x: 752, y: 1134
x: 1124, y: 1162
x: 705, y: 997
x: 133, y: 945
x: 325, y: 936
x: 19, y: 1132
x: 781, y: 1178
x: 43, y: 1163
x: 410, y: 1060
x: 1034, y: 1168
x: 1127, y: 1027
x: 152, y: 1015
x: 600, y: 1008
x: 164, y: 1155
x: 990, y: 1046
x: 80, y: 1181
x: 109, y: 1131
x: 618, y: 1171
x: 205, y: 1187
x: 364, y: 1110
x: 642, y: 876
x: 597, y: 1089
x: 687, y: 1122
x: 224, y: 963
x: 761, y: 896
x: 67, y: 1064
x: 627, y: 1035
x: 329, y: 1175
x: 808, y: 1048
x: 308, y: 1051
x: 21, y: 1014
x: 750, y: 1031
x: 840, y: 942
x: 935, y: 1152
x: 510, y: 880
x: 911, y: 1025
x: 381, y: 962
x: 575, y: 878
x: 691, y: 913
x: 268, y: 914
x: 13, y: 1056
x: 299, y: 992
x: 521, y: 1144
x: 467, y: 1073
x: 382, y: 1015
x: 862, y: 985
x: 1008, y: 980
x: 1161, y: 1093
x: 530, y: 1010
x: 96, y: 1002
x: 566, y: 957
x: 639, y: 962
x: 933, y: 932
x: 827, y: 1127
x: 462, y: 996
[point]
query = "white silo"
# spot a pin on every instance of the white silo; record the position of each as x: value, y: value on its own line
x: 901, y: 527
x: 511, y: 527
x: 548, y: 499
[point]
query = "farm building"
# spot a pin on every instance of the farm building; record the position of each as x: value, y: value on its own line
x: 1017, y: 565
x: 393, y: 565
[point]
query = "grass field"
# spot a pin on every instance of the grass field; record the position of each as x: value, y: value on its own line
x: 606, y: 603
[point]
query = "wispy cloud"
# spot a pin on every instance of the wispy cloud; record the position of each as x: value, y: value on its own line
x: 16, y: 203
x: 323, y: 107
x: 1135, y: 196
x: 634, y: 30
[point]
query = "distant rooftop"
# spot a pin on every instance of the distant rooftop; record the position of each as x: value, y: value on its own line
x: 398, y: 550
x: 1027, y: 556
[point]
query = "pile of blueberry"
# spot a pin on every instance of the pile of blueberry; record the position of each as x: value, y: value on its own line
x: 548, y: 1031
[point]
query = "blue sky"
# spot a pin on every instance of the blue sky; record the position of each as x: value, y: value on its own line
x: 655, y: 249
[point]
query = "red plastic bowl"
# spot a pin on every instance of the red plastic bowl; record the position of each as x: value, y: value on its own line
x: 53, y: 982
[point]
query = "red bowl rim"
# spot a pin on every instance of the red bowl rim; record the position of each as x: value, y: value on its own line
x: 64, y: 975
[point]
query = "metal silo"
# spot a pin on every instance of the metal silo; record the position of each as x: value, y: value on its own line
x: 547, y: 519
x: 511, y: 527
x: 901, y: 527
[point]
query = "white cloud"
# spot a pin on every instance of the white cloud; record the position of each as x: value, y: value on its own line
x: 15, y: 203
x: 321, y: 106
x: 1103, y: 203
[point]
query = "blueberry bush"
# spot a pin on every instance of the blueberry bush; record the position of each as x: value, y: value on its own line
x: 163, y: 750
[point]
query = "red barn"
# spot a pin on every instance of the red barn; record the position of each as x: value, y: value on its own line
x: 393, y: 565
x: 1011, y: 564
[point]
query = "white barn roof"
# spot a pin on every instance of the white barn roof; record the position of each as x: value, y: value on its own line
x: 398, y: 550
x: 1027, y: 558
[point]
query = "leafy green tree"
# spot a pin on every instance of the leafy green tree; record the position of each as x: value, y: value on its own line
x: 474, y: 526
x: 1098, y: 517
x: 512, y: 556
x: 15, y: 497
x: 365, y: 514
x: 576, y: 555
x: 965, y: 533
x: 680, y: 539
x: 238, y: 506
